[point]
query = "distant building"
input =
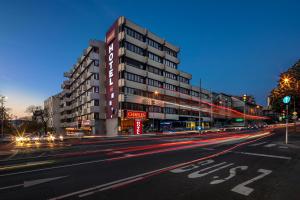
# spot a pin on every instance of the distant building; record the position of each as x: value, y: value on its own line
x: 51, y: 106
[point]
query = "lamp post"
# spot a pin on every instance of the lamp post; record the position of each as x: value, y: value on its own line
x: 2, y: 99
x: 244, y: 99
x: 155, y: 93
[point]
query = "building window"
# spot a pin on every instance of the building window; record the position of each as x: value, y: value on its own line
x: 170, y: 75
x: 154, y: 83
x: 168, y: 110
x: 169, y: 86
x: 183, y: 90
x: 96, y: 102
x: 96, y: 63
x: 170, y: 64
x: 154, y: 70
x: 96, y: 76
x: 155, y: 57
x: 154, y: 44
x: 134, y: 63
x: 134, y: 77
x: 194, y: 93
x: 96, y: 115
x: 96, y: 89
x: 183, y: 80
x: 170, y: 52
x: 134, y: 34
x: 133, y: 48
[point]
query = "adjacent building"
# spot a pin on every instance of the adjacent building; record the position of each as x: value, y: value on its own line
x: 82, y: 101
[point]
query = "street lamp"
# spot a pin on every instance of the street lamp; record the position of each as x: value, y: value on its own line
x: 155, y: 93
x: 2, y: 100
x: 244, y: 99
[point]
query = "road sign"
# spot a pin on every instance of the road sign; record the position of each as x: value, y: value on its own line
x: 286, y: 99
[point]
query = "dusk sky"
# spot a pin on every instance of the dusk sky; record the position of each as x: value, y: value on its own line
x: 235, y: 47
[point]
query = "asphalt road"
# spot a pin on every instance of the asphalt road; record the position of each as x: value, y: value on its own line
x: 255, y: 165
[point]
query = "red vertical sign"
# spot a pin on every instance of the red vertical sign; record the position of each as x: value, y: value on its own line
x: 138, y: 126
x: 112, y: 61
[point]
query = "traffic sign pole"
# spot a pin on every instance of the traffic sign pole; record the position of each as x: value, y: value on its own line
x: 287, y: 121
x: 286, y: 100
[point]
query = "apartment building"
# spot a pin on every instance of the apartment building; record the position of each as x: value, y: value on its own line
x: 51, y: 106
x: 82, y: 101
x: 142, y: 73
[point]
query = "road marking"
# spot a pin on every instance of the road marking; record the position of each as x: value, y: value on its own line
x: 111, y: 187
x: 263, y: 155
x: 12, y: 155
x: 270, y: 145
x: 242, y: 189
x: 33, y: 182
x: 257, y: 144
x: 197, y: 175
x: 29, y: 164
x: 192, y: 166
x: 112, y: 183
x: 232, y: 173
x: 156, y: 172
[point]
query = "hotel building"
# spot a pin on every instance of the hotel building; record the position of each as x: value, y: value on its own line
x: 142, y: 74
x: 132, y: 83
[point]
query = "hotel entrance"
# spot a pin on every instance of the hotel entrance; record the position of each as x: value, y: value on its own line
x: 133, y: 121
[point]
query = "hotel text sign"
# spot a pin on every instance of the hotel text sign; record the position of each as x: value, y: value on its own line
x: 111, y: 59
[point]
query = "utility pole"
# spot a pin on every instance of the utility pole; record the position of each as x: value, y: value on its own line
x: 200, y: 105
x: 211, y: 108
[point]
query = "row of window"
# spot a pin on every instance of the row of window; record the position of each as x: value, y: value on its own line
x: 158, y: 109
x: 156, y: 83
x: 155, y: 70
x: 149, y: 41
x: 152, y: 56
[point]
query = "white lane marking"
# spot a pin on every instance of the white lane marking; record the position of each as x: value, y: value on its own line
x: 243, y: 189
x: 33, y: 182
x: 270, y: 145
x: 256, y: 144
x: 108, y: 184
x: 56, y: 167
x: 111, y: 187
x: 196, y: 174
x: 263, y: 155
x: 192, y: 166
x: 232, y: 173
x: 12, y: 155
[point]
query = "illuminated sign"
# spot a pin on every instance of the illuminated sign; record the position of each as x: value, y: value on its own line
x: 135, y: 114
x: 138, y: 126
x: 111, y: 60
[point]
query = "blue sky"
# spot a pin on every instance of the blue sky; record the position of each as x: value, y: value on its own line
x: 234, y: 46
